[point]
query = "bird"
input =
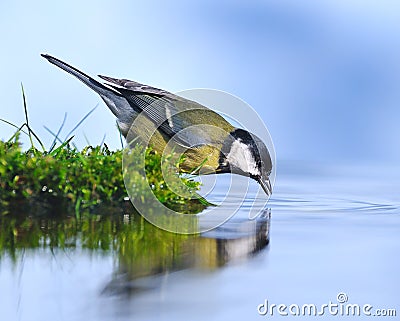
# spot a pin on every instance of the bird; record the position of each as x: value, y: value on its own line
x: 210, y: 144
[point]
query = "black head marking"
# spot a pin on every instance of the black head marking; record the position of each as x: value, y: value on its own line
x: 255, y: 148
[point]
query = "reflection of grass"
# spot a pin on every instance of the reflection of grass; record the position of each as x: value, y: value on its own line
x: 103, y: 231
x: 75, y: 179
x: 141, y: 248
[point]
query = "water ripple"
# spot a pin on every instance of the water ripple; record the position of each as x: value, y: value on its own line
x: 331, y: 204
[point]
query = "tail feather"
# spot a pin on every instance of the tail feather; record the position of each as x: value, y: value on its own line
x: 97, y: 86
x: 111, y: 96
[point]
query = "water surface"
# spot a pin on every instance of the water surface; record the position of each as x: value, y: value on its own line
x: 332, y: 230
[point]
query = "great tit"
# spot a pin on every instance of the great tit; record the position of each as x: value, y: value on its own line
x: 210, y: 144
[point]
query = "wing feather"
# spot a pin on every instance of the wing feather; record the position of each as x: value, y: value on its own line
x: 173, y: 115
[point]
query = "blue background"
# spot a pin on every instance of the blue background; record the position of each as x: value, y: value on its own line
x: 324, y: 75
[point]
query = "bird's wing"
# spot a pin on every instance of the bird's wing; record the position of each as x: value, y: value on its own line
x: 127, y: 99
x: 173, y: 115
x: 137, y: 87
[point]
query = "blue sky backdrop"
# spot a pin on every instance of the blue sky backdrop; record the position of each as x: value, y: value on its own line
x: 323, y: 75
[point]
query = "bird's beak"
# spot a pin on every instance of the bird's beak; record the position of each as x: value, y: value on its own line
x: 266, y: 185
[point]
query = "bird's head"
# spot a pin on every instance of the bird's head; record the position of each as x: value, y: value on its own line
x: 245, y: 154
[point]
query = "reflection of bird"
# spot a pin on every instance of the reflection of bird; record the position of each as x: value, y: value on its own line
x: 144, y: 262
x: 207, y: 140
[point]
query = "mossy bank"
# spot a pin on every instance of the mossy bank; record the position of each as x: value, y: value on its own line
x: 77, y: 180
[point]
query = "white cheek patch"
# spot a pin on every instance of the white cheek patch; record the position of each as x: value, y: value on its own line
x: 241, y: 157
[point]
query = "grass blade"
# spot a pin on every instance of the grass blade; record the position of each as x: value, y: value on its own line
x: 38, y: 139
x: 26, y: 115
x: 53, y: 144
x: 19, y: 129
x: 120, y: 135
x: 103, y: 140
x: 54, y: 152
x: 30, y: 131
x: 54, y: 135
x: 86, y: 139
x: 16, y: 134
x: 82, y: 120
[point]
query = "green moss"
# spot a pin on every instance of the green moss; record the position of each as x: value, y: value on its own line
x: 80, y: 179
